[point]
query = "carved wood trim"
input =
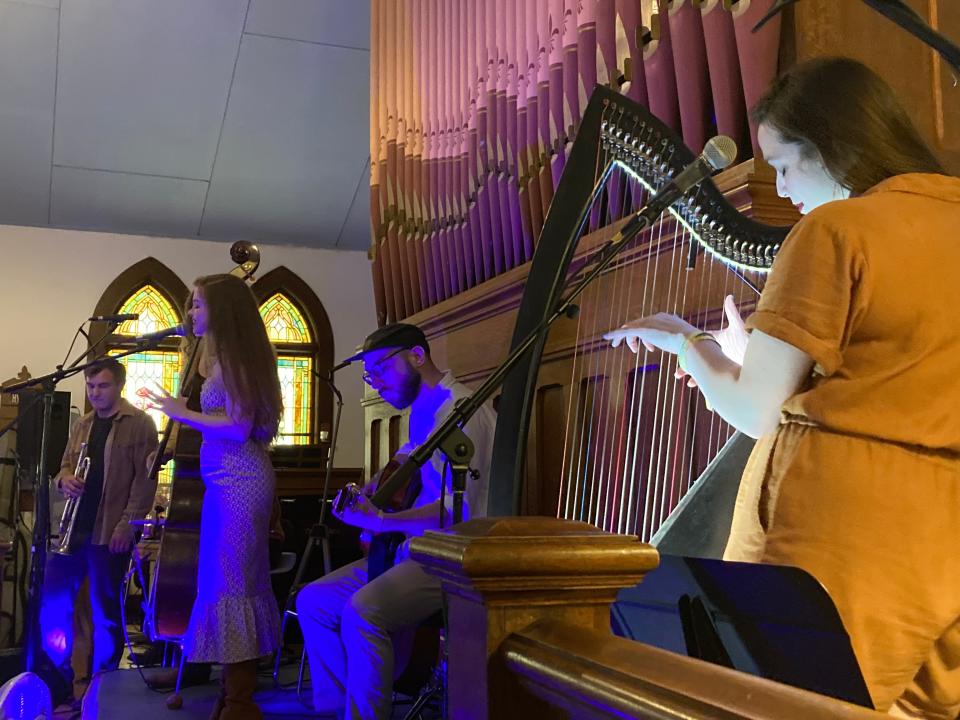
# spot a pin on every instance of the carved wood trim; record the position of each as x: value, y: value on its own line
x: 589, y: 673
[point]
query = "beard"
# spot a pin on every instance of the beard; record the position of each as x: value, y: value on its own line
x: 402, y: 393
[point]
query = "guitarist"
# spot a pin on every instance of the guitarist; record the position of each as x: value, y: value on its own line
x: 349, y: 624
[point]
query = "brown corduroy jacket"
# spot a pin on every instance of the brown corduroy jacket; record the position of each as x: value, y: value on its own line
x: 128, y: 491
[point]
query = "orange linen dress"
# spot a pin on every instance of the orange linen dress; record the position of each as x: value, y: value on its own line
x: 860, y: 484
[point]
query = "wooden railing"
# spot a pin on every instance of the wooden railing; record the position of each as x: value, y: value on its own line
x: 529, y: 626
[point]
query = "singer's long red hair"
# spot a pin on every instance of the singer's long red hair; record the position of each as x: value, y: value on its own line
x: 844, y: 112
x: 237, y: 338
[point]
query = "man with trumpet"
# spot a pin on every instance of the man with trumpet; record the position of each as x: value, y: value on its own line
x: 114, y: 488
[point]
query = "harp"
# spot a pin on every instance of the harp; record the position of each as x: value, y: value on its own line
x: 633, y: 443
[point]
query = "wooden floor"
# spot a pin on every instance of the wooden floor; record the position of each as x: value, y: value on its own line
x: 121, y: 694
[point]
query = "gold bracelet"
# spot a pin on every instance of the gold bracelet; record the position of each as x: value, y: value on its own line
x: 690, y: 340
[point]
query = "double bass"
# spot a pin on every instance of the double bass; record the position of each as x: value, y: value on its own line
x: 173, y: 587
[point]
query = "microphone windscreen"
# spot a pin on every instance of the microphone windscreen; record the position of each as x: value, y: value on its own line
x: 720, y: 151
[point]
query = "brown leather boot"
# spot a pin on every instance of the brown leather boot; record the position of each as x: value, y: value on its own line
x: 220, y: 703
x: 239, y: 683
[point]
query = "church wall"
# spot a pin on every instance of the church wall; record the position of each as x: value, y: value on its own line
x: 51, y: 280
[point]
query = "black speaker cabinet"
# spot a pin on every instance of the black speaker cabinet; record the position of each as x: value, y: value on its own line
x: 29, y: 427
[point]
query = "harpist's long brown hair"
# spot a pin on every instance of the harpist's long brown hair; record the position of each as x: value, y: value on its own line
x: 844, y: 111
x: 238, y: 339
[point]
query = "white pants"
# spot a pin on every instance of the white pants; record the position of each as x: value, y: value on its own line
x: 347, y: 626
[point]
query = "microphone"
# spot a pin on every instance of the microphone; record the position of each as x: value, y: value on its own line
x: 114, y: 318
x: 160, y: 334
x: 717, y: 154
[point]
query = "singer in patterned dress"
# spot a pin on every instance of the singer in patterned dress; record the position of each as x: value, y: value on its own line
x: 235, y: 619
x: 849, y: 378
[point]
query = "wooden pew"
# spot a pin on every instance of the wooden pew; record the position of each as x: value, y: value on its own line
x: 529, y: 633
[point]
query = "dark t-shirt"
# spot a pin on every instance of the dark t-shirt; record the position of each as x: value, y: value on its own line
x: 93, y: 490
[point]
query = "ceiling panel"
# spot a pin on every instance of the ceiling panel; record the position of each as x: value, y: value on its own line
x: 355, y: 234
x: 96, y: 200
x: 294, y: 143
x: 37, y: 3
x: 28, y: 62
x: 143, y: 84
x: 335, y: 22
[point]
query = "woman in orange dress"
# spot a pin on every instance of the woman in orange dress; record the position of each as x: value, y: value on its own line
x: 850, y: 375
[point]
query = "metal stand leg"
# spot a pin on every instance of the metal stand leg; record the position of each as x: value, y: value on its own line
x: 175, y: 701
x: 303, y: 658
x: 279, y: 653
x: 318, y: 536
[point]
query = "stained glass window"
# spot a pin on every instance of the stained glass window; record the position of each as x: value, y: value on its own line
x: 151, y: 367
x: 285, y: 324
x: 154, y: 311
x: 287, y: 329
x: 296, y: 388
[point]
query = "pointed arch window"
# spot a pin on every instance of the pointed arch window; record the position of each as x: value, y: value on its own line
x: 155, y: 311
x: 160, y: 366
x: 290, y: 334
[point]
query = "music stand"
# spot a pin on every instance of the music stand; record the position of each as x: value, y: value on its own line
x: 771, y: 621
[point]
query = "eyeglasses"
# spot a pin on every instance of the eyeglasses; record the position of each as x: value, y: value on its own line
x: 374, y: 370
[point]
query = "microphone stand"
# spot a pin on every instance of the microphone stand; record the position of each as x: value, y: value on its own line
x: 41, y: 499
x: 10, y: 389
x: 448, y: 436
x: 320, y: 533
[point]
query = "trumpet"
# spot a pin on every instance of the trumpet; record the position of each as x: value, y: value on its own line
x: 69, y: 517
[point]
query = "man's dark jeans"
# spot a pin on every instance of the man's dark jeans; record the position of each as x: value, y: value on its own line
x: 62, y: 580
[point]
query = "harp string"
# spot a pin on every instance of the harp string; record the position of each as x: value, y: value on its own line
x: 619, y: 297
x: 668, y: 427
x: 612, y: 289
x: 578, y: 433
x: 654, y: 378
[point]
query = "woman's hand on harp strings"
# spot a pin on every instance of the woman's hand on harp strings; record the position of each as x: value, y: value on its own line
x: 667, y: 332
x: 656, y: 332
x: 732, y: 338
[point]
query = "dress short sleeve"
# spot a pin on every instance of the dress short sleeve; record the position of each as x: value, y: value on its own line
x: 814, y: 290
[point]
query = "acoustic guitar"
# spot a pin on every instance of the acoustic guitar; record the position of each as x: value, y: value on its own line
x: 381, y: 548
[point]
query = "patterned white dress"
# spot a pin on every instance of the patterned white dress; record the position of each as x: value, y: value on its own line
x: 235, y: 616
